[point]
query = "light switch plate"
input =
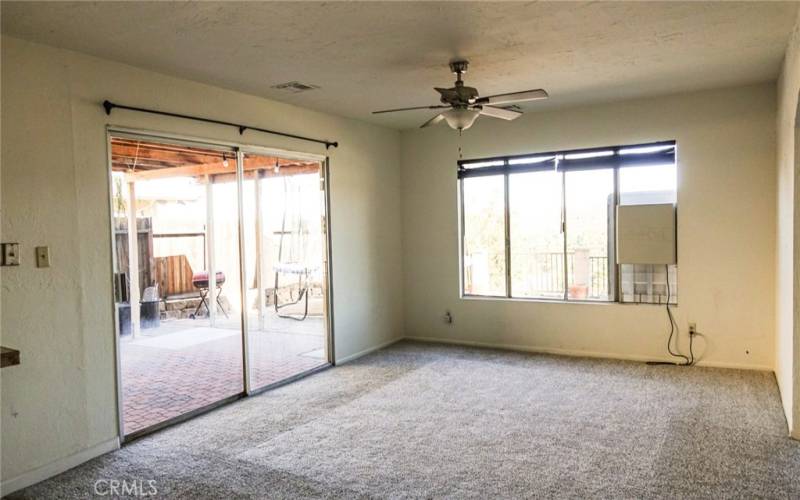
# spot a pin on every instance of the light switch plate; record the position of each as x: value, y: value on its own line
x: 42, y: 256
x: 10, y: 254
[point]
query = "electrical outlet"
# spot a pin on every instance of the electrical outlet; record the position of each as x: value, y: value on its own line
x: 692, y: 328
x: 42, y: 256
x: 448, y: 318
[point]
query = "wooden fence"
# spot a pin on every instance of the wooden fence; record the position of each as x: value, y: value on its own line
x: 174, y: 276
x: 173, y: 273
x: 144, y: 229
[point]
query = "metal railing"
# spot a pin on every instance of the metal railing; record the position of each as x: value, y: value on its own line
x: 541, y: 274
x: 598, y: 276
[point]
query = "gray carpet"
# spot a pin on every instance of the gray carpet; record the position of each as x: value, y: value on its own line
x: 423, y: 420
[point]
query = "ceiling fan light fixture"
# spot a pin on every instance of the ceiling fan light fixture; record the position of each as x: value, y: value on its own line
x: 460, y: 118
x: 464, y: 104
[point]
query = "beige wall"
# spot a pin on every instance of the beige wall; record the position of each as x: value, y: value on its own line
x: 61, y: 402
x: 726, y: 230
x: 787, y: 339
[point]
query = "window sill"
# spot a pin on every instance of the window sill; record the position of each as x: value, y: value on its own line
x: 492, y: 298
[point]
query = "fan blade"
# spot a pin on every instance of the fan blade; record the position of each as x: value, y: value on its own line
x: 408, y: 109
x: 433, y: 121
x: 505, y: 114
x: 513, y: 97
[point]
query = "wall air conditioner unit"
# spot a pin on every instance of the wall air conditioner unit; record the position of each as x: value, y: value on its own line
x: 646, y: 234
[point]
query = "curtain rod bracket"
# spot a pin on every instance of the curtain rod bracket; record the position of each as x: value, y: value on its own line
x: 108, y: 106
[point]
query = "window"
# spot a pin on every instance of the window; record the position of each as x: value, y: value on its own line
x: 484, y: 236
x: 589, y: 206
x: 543, y: 226
x: 537, y: 244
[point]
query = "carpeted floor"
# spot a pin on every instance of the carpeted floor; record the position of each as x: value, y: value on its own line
x: 423, y: 420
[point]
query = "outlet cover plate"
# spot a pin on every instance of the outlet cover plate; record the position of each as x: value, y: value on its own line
x: 42, y: 256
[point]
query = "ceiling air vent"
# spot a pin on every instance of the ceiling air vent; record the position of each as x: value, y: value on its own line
x: 294, y: 87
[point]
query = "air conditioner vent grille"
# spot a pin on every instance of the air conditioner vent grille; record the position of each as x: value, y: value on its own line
x: 295, y: 87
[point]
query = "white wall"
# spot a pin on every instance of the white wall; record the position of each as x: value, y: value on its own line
x: 61, y: 401
x: 726, y: 230
x: 787, y: 312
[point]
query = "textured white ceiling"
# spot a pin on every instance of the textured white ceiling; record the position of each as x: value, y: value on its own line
x: 367, y: 56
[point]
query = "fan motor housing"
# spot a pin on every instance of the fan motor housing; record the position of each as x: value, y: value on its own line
x: 459, y: 66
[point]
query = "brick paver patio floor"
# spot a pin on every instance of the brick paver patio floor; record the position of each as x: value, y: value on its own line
x: 185, y: 364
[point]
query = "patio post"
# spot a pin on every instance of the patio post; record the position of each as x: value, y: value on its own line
x: 259, y: 253
x: 212, y: 272
x: 133, y: 258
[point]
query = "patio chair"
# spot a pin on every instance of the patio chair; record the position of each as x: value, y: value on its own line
x: 200, y: 281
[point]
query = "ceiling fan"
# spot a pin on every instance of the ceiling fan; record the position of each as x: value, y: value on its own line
x: 465, y: 104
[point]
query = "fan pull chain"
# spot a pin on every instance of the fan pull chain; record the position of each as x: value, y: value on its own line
x: 460, y: 156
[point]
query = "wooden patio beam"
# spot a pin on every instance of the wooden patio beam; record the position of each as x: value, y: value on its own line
x: 263, y: 163
x: 146, y: 152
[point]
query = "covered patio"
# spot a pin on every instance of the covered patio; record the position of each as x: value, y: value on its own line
x: 180, y: 367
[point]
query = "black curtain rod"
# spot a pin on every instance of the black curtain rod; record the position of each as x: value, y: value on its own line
x: 108, y: 105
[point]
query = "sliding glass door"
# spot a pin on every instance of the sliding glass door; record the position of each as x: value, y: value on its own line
x: 176, y: 270
x: 285, y: 267
x: 220, y: 274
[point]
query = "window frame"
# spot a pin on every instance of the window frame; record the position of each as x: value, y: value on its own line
x: 601, y: 158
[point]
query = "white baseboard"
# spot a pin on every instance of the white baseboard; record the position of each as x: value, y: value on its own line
x: 579, y: 353
x: 357, y: 355
x: 57, y: 467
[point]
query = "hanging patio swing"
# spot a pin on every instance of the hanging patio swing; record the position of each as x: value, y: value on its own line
x: 295, y: 262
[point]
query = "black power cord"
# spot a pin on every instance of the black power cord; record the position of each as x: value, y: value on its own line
x: 687, y: 361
